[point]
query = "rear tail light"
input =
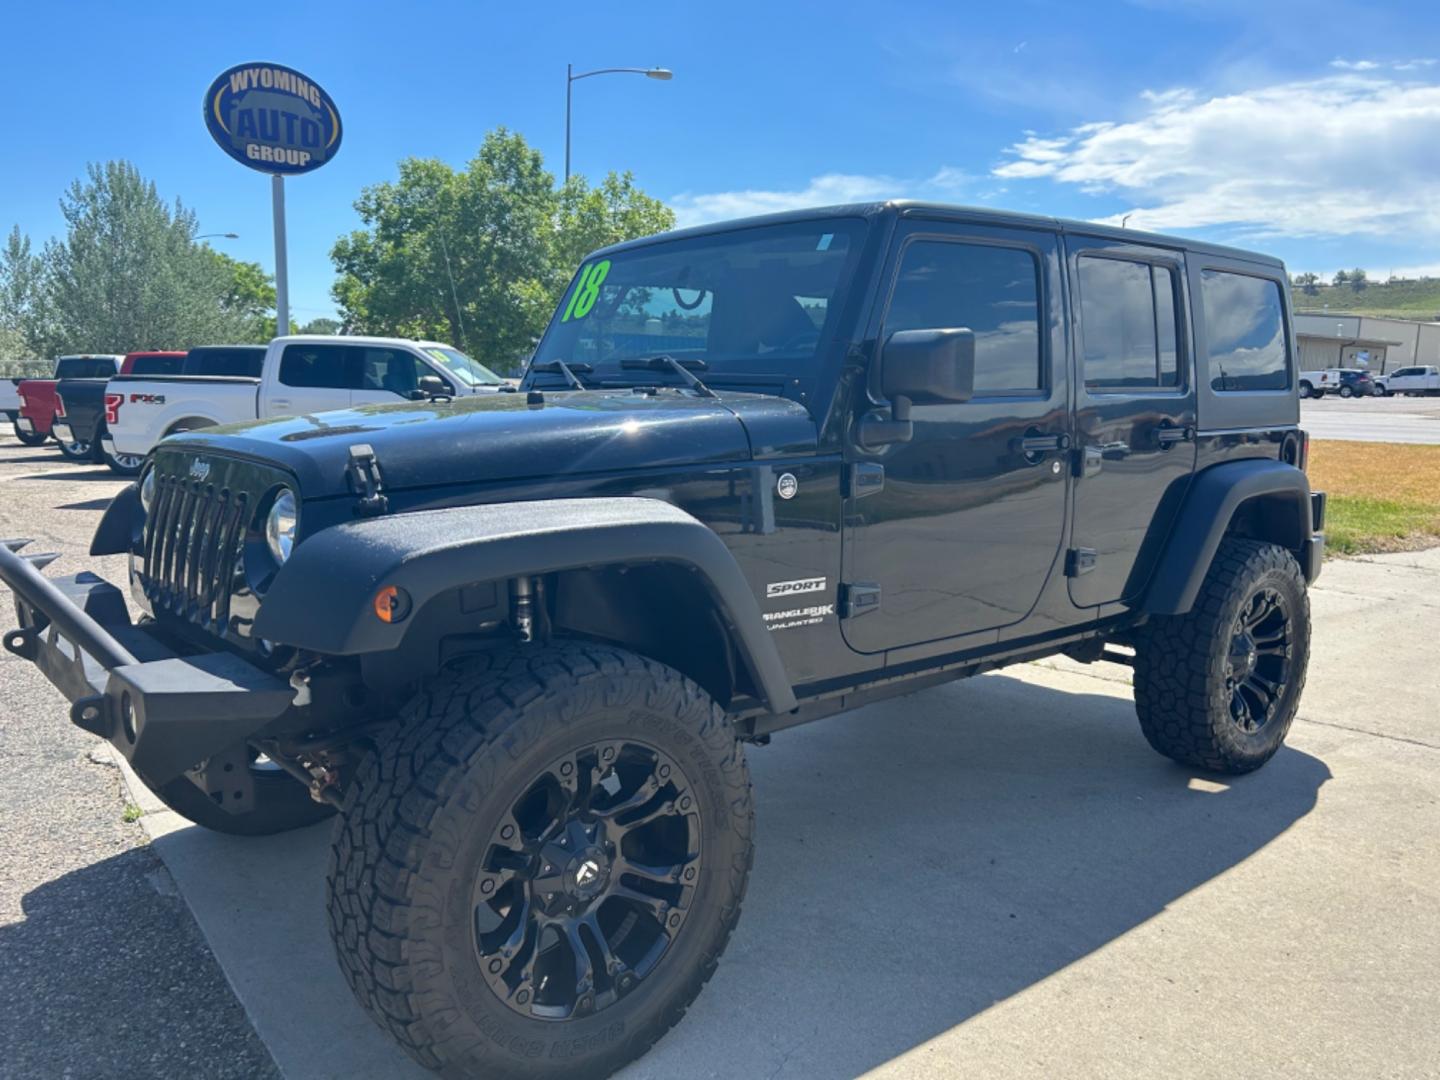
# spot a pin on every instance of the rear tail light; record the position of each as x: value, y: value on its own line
x: 112, y: 407
x: 59, y: 405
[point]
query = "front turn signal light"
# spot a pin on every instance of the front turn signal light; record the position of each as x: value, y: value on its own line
x: 392, y: 604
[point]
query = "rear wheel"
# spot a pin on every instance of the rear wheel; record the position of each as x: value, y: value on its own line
x: 29, y: 438
x: 537, y: 872
x: 124, y: 464
x: 77, y: 450
x: 1346, y: 392
x: 1218, y: 686
x: 1306, y: 390
x: 281, y: 803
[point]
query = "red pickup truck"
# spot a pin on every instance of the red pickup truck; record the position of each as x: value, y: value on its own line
x: 38, y: 399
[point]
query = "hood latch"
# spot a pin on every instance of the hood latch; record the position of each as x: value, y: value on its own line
x: 363, y: 473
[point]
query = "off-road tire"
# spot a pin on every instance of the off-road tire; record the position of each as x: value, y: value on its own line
x: 417, y: 823
x: 29, y: 438
x: 1180, y: 663
x: 281, y: 804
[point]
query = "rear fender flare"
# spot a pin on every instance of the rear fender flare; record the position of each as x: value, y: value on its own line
x: 1210, y: 506
x: 322, y: 598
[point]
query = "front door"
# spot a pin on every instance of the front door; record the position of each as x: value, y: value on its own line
x: 313, y: 377
x: 1135, y: 412
x: 959, y: 528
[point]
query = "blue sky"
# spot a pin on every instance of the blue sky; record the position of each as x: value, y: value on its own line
x: 1311, y: 131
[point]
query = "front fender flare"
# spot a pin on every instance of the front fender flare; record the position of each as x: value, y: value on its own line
x: 321, y: 599
x: 1210, y: 505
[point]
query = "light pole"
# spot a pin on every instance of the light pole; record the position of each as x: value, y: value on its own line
x: 663, y: 74
x: 226, y: 235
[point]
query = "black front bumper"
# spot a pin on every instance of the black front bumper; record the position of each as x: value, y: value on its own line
x: 167, y: 712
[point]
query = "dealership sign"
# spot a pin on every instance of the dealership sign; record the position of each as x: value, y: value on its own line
x: 272, y: 118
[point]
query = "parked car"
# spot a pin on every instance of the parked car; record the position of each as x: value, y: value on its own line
x: 1414, y: 381
x: 1352, y: 383
x: 39, y: 400
x: 296, y: 375
x: 10, y: 399
x: 758, y: 473
x: 80, y: 407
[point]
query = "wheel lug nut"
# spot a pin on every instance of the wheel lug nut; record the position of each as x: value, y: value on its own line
x: 608, y: 754
x: 523, y: 997
x: 690, y: 873
x: 487, y: 886
x: 496, y: 966
x: 507, y: 832
x: 685, y: 803
x: 566, y: 769
x: 674, y: 920
x: 664, y: 771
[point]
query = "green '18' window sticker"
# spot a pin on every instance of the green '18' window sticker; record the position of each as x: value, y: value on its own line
x: 587, y: 290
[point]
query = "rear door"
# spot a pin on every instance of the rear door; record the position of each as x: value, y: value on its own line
x: 1135, y: 412
x: 312, y: 377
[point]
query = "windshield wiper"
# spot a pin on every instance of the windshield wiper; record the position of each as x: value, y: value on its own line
x: 666, y: 362
x: 567, y: 370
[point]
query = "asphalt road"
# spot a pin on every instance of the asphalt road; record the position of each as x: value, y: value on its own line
x: 994, y: 878
x: 1390, y: 419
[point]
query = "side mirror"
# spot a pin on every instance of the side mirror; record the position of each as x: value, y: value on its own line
x: 928, y: 367
x: 430, y: 386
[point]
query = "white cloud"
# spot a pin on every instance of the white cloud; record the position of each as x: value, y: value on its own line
x: 692, y: 208
x: 1339, y: 156
x: 1354, y: 65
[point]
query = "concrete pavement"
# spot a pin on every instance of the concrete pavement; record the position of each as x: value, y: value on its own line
x: 1391, y: 419
x: 995, y: 878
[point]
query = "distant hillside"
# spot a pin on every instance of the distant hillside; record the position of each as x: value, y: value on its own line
x: 1398, y: 299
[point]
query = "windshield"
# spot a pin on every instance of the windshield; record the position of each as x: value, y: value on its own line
x: 470, y: 372
x: 752, y: 302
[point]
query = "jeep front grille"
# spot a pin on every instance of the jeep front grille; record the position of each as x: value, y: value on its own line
x: 192, y: 543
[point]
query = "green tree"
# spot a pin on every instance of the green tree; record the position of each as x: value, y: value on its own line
x: 478, y: 256
x: 320, y: 326
x: 129, y: 274
x: 1309, y: 283
x: 1341, y: 277
x: 1358, y: 279
x: 22, y: 299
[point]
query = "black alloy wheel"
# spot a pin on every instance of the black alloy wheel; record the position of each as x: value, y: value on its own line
x: 587, y: 880
x: 1258, y: 664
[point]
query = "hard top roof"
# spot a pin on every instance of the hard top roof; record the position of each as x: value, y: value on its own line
x: 976, y: 214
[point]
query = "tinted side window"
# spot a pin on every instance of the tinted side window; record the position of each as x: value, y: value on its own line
x: 993, y: 291
x: 314, y: 366
x: 1128, y: 324
x: 240, y: 362
x: 1245, y: 329
x: 156, y: 365
x: 389, y: 369
x: 85, y: 368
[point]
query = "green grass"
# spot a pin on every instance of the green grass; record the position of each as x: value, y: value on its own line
x: 1399, y: 300
x: 1379, y: 496
x: 132, y: 813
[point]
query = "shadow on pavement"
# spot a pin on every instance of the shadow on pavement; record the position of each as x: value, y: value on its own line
x: 89, y: 504
x: 917, y: 862
x: 92, y: 472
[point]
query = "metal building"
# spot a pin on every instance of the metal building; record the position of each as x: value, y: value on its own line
x: 1365, y: 341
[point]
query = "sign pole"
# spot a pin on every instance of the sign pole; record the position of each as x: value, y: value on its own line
x: 281, y: 270
x: 282, y: 273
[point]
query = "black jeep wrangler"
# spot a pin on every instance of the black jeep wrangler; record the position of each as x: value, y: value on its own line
x: 756, y: 473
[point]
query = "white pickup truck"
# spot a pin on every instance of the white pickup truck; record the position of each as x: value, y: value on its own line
x: 1424, y: 380
x: 300, y: 375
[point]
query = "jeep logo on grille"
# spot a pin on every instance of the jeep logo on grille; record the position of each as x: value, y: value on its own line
x: 199, y: 470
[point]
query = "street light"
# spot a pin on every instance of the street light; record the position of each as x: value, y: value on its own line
x: 226, y: 235
x: 663, y: 74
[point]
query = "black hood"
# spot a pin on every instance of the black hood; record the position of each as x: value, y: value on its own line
x: 503, y: 437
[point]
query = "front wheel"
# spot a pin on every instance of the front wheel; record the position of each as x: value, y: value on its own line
x: 538, y: 871
x: 77, y: 450
x: 29, y: 438
x: 1306, y: 390
x: 1218, y: 686
x: 1346, y: 392
x: 124, y: 464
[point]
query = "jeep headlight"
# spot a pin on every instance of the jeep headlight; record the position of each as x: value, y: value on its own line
x: 147, y: 489
x: 280, y: 525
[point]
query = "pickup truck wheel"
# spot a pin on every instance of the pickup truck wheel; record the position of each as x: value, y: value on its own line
x: 30, y: 438
x: 1218, y: 687
x: 281, y: 804
x: 1306, y: 390
x: 537, y: 872
x: 76, y: 451
x: 124, y: 464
